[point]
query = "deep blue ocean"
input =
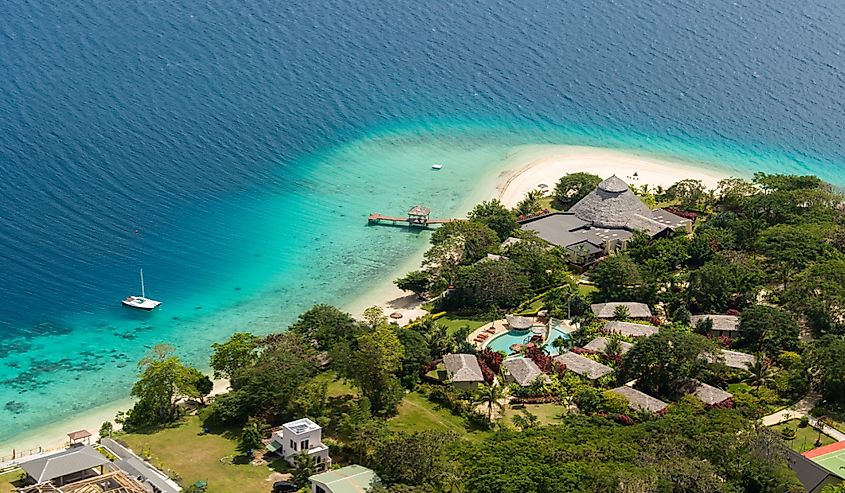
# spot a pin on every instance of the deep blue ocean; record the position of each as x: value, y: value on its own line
x: 234, y: 148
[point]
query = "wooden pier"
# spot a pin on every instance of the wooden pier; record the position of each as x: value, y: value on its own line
x: 418, y: 217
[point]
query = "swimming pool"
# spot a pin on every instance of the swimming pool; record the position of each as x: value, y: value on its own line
x: 503, y: 342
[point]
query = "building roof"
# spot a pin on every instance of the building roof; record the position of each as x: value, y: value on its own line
x: 523, y: 370
x: 300, y: 426
x: 640, y: 401
x: 629, y: 329
x: 509, y: 242
x: 711, y: 395
x: 519, y: 323
x: 813, y: 476
x: 735, y: 359
x: 72, y: 460
x: 583, y: 365
x: 349, y: 479
x: 419, y: 210
x: 610, y: 205
x: 462, y: 368
x: 78, y: 435
x: 725, y: 323
x: 599, y: 344
x: 135, y: 467
x: 635, y: 310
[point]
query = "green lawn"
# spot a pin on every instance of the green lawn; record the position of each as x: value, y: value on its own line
x: 805, y: 438
x: 416, y: 413
x: 453, y: 323
x: 195, y: 456
x: 336, y: 388
x: 586, y: 289
x: 7, y: 479
x: 546, y: 413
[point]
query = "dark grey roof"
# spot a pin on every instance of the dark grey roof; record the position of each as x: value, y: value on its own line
x: 419, y: 210
x: 72, y: 460
x: 610, y: 205
x: 640, y: 401
x: 558, y: 229
x: 639, y: 222
x: 583, y: 365
x: 607, y: 310
x: 813, y: 476
x: 727, y: 323
x: 711, y: 395
x: 137, y: 468
x: 523, y: 370
x: 599, y: 344
x: 674, y: 221
x: 462, y: 368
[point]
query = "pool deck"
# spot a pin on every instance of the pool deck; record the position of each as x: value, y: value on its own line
x: 500, y: 326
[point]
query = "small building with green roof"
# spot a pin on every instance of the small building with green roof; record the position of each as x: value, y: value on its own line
x: 349, y: 479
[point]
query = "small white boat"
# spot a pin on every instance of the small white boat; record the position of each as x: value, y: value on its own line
x: 141, y: 302
x: 436, y: 166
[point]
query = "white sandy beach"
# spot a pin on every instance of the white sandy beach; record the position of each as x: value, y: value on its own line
x: 529, y: 166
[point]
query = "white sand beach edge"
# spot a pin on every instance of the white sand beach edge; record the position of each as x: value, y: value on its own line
x: 532, y: 165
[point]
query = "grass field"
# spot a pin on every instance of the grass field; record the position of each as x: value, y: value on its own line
x: 805, y: 438
x: 546, y: 413
x: 454, y: 323
x: 194, y: 456
x: 416, y: 413
x: 7, y: 479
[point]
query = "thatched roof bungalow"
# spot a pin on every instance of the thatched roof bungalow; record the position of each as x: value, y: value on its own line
x: 629, y: 329
x: 583, y: 366
x: 522, y: 371
x: 599, y: 344
x: 516, y: 322
x: 713, y: 396
x: 640, y: 401
x: 608, y: 310
x: 735, y: 359
x: 463, y: 370
x: 723, y: 325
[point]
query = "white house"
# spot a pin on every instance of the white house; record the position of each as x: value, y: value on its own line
x: 296, y: 437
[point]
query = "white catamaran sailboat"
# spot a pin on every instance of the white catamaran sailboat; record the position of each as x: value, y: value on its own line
x: 141, y: 302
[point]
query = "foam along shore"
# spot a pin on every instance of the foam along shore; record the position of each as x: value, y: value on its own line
x: 529, y: 166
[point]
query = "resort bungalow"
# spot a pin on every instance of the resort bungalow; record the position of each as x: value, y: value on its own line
x: 583, y: 366
x: 68, y: 466
x: 640, y: 401
x: 463, y: 370
x: 599, y: 344
x: 735, y: 359
x: 720, y: 325
x: 608, y: 310
x: 135, y: 467
x: 301, y: 436
x: 349, y: 479
x: 602, y: 222
x: 522, y: 371
x: 713, y: 396
x: 629, y: 329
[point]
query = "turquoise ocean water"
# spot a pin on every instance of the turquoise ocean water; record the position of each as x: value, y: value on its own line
x: 234, y: 150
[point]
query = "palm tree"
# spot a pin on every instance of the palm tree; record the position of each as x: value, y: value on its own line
x: 613, y: 349
x: 761, y: 372
x: 491, y: 396
x: 559, y: 344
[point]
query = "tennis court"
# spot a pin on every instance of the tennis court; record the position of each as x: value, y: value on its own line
x: 831, y: 457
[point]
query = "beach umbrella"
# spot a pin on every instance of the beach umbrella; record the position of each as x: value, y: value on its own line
x: 542, y: 185
x: 396, y: 315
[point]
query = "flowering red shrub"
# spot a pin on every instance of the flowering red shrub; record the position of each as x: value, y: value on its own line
x: 725, y: 404
x: 580, y: 350
x: 486, y: 372
x: 655, y: 321
x: 624, y: 419
x: 493, y: 359
x: 732, y: 311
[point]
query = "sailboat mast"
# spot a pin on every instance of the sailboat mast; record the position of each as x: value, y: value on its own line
x: 143, y: 295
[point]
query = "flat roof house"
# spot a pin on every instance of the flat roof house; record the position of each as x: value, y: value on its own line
x: 722, y: 325
x: 608, y: 310
x: 629, y: 329
x: 463, y: 370
x: 74, y: 464
x: 349, y: 479
x: 640, y: 401
x: 583, y: 366
x: 599, y: 344
x: 602, y: 222
x: 296, y: 437
x: 522, y: 371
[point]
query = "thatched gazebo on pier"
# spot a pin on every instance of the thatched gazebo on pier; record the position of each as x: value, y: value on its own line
x: 418, y: 216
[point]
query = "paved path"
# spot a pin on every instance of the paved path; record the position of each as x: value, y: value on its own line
x: 798, y: 411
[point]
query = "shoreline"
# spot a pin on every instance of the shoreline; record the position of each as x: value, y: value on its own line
x: 509, y: 179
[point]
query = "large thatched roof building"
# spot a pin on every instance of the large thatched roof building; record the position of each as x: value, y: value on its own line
x: 602, y: 221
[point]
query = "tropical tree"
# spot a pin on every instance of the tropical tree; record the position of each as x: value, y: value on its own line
x: 413, y: 458
x: 239, y: 351
x: 416, y: 282
x: 495, y: 216
x: 250, y: 439
x: 490, y: 397
x: 768, y: 329
x: 491, y: 284
x: 760, y: 371
x: 621, y: 312
x: 372, y: 366
x: 573, y: 187
x: 204, y: 386
x: 526, y: 420
x: 791, y: 248
x: 305, y: 466
x: 818, y: 293
x: 530, y: 204
x: 617, y: 278
x: 467, y: 241
x: 326, y: 325
x: 162, y: 382
x: 824, y: 357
